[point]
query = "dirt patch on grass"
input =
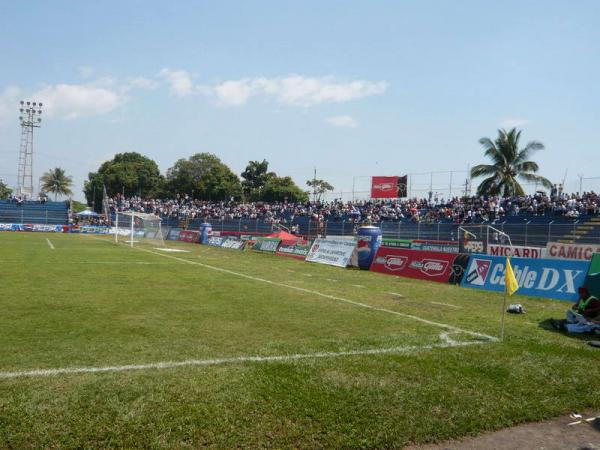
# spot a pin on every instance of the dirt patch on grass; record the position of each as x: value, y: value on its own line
x: 555, y: 434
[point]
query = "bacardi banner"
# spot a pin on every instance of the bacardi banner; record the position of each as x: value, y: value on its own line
x: 516, y: 251
x: 550, y: 278
x: 189, y: 236
x: 388, y: 187
x: 335, y: 252
x: 267, y: 244
x: 572, y: 251
x: 433, y: 266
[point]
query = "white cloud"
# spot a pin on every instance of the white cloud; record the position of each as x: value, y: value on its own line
x: 144, y: 83
x: 180, y: 82
x: 296, y: 90
x: 342, y: 121
x: 513, y: 122
x: 71, y: 101
x: 235, y: 93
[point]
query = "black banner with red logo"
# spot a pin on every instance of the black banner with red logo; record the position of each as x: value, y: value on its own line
x: 432, y: 266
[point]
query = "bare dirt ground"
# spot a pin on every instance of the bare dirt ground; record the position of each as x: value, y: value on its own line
x: 555, y: 434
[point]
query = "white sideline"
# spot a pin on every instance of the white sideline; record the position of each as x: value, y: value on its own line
x: 447, y: 343
x: 50, y: 243
x: 321, y: 294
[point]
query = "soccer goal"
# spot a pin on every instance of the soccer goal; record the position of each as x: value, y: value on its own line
x: 134, y: 227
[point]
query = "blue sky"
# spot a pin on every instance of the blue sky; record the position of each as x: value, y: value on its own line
x: 353, y: 88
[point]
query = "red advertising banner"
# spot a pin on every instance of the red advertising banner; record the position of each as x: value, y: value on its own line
x: 558, y: 250
x: 517, y: 251
x: 384, y: 187
x: 189, y: 236
x: 432, y: 266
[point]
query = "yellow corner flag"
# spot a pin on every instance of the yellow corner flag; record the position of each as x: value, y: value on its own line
x: 511, y: 281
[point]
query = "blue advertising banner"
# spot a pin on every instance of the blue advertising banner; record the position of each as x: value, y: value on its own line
x: 549, y: 278
x: 173, y: 234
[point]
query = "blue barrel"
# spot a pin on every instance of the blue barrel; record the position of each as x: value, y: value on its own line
x: 205, y: 232
x: 369, y: 240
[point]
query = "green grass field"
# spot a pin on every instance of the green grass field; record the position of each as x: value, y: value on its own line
x: 104, y: 346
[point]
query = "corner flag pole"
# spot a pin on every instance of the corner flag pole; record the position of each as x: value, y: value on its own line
x: 509, y: 278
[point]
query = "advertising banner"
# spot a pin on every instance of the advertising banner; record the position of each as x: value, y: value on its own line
x: 472, y: 246
x: 234, y: 244
x: 550, y: 278
x: 335, y: 252
x: 173, y: 234
x: 519, y: 251
x: 396, y: 243
x: 267, y: 244
x: 423, y: 265
x: 435, y: 246
x: 216, y: 241
x: 90, y: 229
x: 384, y: 187
x: 592, y: 282
x: 189, y: 236
x: 297, y: 250
x: 35, y: 227
x: 9, y: 227
x: 572, y: 251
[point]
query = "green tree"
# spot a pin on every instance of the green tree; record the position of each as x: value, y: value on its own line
x: 319, y: 187
x: 5, y: 191
x: 254, y: 178
x: 205, y: 177
x: 56, y: 182
x: 509, y: 165
x: 129, y: 173
x: 279, y: 189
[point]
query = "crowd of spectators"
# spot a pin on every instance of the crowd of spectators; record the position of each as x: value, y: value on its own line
x: 455, y: 210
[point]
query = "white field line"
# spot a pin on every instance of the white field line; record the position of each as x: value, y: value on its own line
x: 332, y: 280
x: 357, y: 285
x: 50, y: 243
x: 447, y: 343
x: 396, y: 294
x: 445, y: 304
x: 328, y: 296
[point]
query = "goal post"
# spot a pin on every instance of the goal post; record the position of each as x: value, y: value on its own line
x: 133, y: 228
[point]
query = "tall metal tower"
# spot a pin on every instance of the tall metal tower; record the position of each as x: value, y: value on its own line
x: 30, y: 119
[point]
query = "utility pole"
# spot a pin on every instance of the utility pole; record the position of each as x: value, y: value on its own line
x: 30, y: 119
x: 580, y: 175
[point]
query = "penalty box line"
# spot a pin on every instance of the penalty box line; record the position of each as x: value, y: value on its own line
x: 448, y: 343
x: 328, y: 296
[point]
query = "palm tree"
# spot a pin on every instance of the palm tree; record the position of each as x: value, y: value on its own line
x: 509, y: 165
x: 57, y: 182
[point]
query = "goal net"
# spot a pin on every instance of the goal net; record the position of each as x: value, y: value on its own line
x: 134, y: 228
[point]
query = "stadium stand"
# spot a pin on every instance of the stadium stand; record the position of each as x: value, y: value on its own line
x: 49, y: 213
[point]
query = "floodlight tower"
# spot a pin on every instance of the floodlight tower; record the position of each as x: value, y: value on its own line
x: 30, y: 119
